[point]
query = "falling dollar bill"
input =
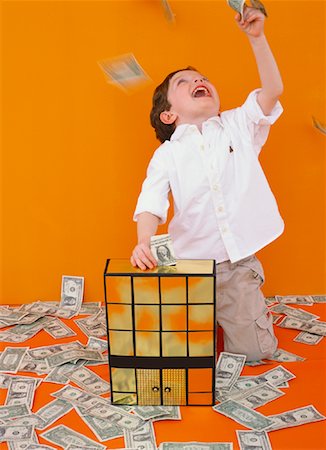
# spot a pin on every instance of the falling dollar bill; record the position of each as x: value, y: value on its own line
x: 72, y: 292
x: 319, y: 125
x: 239, y: 5
x: 162, y: 250
x: 228, y: 369
x: 169, y: 15
x: 124, y: 71
x: 251, y: 440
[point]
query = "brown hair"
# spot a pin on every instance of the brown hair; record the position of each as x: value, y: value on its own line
x: 160, y: 103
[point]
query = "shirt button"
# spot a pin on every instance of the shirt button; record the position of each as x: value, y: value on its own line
x: 220, y: 209
x: 202, y: 147
x: 215, y: 187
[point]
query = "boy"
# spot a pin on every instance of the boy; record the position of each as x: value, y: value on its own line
x: 223, y: 206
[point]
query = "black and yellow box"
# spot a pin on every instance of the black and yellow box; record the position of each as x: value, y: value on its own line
x: 161, y: 333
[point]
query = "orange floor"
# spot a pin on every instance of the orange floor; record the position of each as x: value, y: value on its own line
x: 202, y: 423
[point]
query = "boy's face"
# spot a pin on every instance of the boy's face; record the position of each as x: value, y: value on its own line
x: 192, y: 97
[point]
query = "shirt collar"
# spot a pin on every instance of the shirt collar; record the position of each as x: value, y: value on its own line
x: 186, y: 128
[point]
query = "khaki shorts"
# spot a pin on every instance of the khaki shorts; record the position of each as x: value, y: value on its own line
x: 241, y: 310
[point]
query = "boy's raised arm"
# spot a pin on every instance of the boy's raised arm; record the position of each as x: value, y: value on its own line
x: 252, y: 24
x: 142, y: 257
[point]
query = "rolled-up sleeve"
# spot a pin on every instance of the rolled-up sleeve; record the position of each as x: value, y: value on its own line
x: 256, y: 121
x: 155, y: 189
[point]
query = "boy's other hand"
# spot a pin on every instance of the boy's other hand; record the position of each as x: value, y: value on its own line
x: 252, y: 21
x: 142, y: 257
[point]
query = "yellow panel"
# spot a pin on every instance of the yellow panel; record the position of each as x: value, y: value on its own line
x: 200, y: 398
x: 123, y: 379
x: 119, y: 317
x: 200, y: 317
x: 146, y: 290
x: 121, y: 398
x: 118, y: 289
x: 121, y: 343
x: 148, y: 386
x: 173, y: 290
x: 201, y: 289
x: 200, y: 380
x: 147, y: 317
x: 147, y: 343
x: 174, y: 317
x: 174, y: 344
x: 201, y: 343
x: 183, y: 267
x: 174, y: 386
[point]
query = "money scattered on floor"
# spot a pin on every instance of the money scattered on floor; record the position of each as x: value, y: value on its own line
x: 253, y: 440
x: 124, y: 71
x: 162, y: 250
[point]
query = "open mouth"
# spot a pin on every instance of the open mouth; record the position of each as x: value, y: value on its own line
x: 201, y: 91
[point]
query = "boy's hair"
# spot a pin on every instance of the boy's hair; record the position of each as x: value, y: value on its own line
x: 160, y: 103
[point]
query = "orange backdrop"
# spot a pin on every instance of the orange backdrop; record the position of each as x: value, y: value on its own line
x: 75, y: 148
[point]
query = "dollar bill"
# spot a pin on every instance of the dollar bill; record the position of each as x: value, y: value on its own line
x: 15, y: 432
x: 258, y: 396
x: 253, y: 440
x: 29, y: 420
x: 77, y: 397
x: 103, y: 429
x: 319, y: 298
x: 123, y: 71
x: 23, y: 443
x: 275, y: 376
x: 170, y: 17
x: 70, y: 355
x: 9, y: 315
x: 89, y: 381
x: 13, y: 411
x: 314, y: 327
x: 48, y: 350
x: 39, y: 447
x: 171, y: 413
x: 285, y: 356
x: 58, y: 374
x: 243, y: 415
x: 237, y: 5
x: 162, y: 250
x: 196, y: 446
x: 116, y: 416
x: 21, y: 391
x: 295, y: 417
x: 72, y: 292
x: 259, y: 362
x: 89, y: 308
x: 41, y: 308
x: 228, y: 369
x: 57, y: 329
x: 11, y: 358
x: 319, y: 125
x: 51, y: 412
x: 308, y: 338
x: 149, y: 412
x: 91, y: 327
x: 97, y: 344
x: 29, y: 364
x: 295, y: 299
x: 269, y: 301
x: 62, y: 436
x: 143, y: 437
x: 292, y: 312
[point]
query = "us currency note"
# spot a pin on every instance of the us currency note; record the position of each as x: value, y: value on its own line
x: 42, y: 308
x: 269, y: 301
x: 196, y: 446
x: 57, y: 329
x: 89, y: 381
x: 58, y: 374
x: 39, y: 447
x: 251, y: 440
x: 23, y: 443
x: 319, y: 125
x: 237, y: 5
x: 258, y: 5
x: 171, y: 413
x: 170, y: 17
x: 62, y: 436
x: 29, y: 364
x: 48, y: 350
x: 285, y: 356
x: 143, y: 437
x: 15, y: 432
x: 149, y: 412
x: 21, y: 391
x: 123, y: 71
x: 116, y: 416
x: 10, y: 315
x: 258, y: 396
x: 162, y: 250
x: 295, y: 417
x: 275, y: 376
x: 91, y: 327
x: 11, y: 358
x: 295, y: 299
x: 72, y: 292
x: 29, y: 420
x: 314, y: 326
x: 51, y: 412
x: 319, y: 298
x: 77, y: 397
x: 70, y: 355
x: 97, y: 344
x: 13, y: 411
x: 89, y: 308
x: 292, y: 312
x: 243, y: 415
x: 228, y: 369
x: 308, y: 338
x: 103, y: 429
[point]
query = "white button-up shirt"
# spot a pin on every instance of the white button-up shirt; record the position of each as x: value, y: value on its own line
x: 223, y: 205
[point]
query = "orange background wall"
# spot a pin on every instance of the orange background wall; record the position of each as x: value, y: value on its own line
x: 75, y: 149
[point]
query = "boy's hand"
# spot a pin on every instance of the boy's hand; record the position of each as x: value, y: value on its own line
x: 252, y: 22
x: 142, y: 257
